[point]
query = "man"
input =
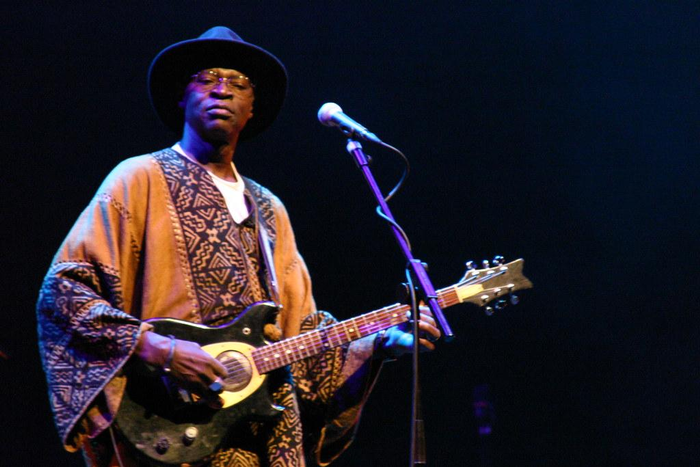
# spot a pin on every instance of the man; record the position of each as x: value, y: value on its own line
x: 179, y: 233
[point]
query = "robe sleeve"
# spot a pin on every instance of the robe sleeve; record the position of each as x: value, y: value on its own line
x: 331, y: 387
x: 85, y: 334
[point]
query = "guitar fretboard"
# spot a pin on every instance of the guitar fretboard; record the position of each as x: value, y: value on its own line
x: 279, y: 354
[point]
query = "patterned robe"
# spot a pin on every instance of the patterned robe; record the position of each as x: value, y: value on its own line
x: 158, y: 241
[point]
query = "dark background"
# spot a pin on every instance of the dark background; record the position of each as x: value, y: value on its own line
x: 565, y: 133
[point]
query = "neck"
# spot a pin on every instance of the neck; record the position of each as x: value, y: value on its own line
x: 215, y: 156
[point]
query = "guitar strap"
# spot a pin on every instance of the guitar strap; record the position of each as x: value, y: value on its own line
x: 265, y: 245
x: 264, y: 240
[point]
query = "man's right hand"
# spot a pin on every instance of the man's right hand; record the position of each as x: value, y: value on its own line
x: 190, y: 365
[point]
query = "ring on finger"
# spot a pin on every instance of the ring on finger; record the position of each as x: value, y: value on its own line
x: 217, y: 385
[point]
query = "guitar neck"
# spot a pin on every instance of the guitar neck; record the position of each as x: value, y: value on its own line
x: 279, y: 354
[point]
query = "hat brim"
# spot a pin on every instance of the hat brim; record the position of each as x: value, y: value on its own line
x: 172, y: 68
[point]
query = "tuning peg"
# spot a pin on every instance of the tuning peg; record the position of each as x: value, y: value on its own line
x: 514, y: 299
x: 485, y: 264
x: 471, y: 270
x: 498, y: 260
x: 488, y: 311
x: 500, y: 305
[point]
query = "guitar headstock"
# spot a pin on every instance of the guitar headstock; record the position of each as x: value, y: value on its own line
x: 495, y: 281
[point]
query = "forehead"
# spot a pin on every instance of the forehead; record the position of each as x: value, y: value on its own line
x: 224, y: 72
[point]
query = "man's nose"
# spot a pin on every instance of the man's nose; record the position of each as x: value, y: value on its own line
x: 221, y: 89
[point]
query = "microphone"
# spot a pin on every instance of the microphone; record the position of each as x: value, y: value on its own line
x: 331, y: 114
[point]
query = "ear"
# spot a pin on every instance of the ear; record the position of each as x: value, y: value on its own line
x: 183, y: 98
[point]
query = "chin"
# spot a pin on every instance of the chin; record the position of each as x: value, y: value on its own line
x: 220, y: 130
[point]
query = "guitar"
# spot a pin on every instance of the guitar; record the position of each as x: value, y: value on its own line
x: 171, y: 425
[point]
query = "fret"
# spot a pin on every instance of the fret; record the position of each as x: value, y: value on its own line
x: 330, y: 334
x: 337, y: 334
x: 342, y: 333
x: 448, y: 297
x: 311, y: 342
x: 303, y: 346
x: 350, y: 331
x: 366, y: 325
x: 326, y: 335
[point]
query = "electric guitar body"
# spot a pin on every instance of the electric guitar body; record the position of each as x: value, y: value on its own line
x: 169, y: 424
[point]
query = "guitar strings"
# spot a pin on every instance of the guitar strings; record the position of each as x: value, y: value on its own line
x: 333, y: 335
x: 312, y: 342
x: 374, y: 326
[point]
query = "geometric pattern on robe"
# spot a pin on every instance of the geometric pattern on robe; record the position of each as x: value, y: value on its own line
x: 102, y: 284
x: 222, y: 255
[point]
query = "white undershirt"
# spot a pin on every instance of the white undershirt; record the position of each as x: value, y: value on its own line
x: 233, y: 192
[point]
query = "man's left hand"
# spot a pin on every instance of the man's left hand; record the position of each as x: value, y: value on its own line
x: 398, y: 340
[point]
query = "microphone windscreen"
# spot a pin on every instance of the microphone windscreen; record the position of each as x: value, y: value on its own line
x: 326, y: 112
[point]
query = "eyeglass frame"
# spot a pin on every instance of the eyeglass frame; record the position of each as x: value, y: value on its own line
x: 219, y: 80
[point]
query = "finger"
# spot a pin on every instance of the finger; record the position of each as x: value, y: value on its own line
x: 426, y: 318
x: 220, y: 369
x: 426, y: 344
x: 425, y: 310
x: 433, y: 333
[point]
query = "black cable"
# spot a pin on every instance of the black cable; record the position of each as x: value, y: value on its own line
x: 404, y: 175
x: 381, y: 214
x: 397, y: 187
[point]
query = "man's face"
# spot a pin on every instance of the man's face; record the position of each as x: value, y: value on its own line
x: 218, y: 102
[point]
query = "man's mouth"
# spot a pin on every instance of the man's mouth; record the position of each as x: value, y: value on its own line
x: 219, y: 110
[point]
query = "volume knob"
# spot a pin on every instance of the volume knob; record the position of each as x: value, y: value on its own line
x: 162, y: 446
x: 190, y: 435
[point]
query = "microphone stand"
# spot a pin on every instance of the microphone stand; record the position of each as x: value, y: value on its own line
x: 425, y: 288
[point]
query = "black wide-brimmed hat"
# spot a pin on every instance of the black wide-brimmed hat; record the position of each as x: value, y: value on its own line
x: 219, y: 47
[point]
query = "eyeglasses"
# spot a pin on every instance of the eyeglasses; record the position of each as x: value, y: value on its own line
x: 209, y: 79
